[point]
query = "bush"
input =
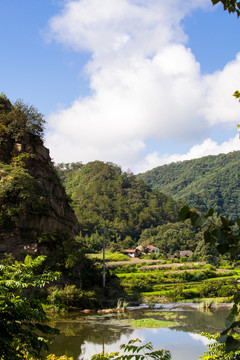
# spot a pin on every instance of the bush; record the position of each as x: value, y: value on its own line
x: 72, y: 297
x: 118, y: 257
x: 23, y: 333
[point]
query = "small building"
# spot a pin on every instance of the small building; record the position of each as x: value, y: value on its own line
x: 152, y: 249
x: 139, y: 249
x: 132, y: 253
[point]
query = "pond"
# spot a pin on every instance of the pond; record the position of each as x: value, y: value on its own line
x: 85, y: 335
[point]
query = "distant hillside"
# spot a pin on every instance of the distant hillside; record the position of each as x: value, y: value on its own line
x: 211, y: 181
x: 105, y: 197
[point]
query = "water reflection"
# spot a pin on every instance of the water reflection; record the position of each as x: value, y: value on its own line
x: 82, y: 336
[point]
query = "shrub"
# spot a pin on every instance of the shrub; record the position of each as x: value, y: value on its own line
x: 70, y: 296
x: 118, y: 257
x: 22, y: 332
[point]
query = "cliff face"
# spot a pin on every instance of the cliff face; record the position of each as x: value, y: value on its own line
x: 53, y: 215
x: 60, y: 216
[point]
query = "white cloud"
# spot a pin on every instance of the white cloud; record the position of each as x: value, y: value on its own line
x: 201, y: 338
x: 219, y: 105
x: 145, y: 83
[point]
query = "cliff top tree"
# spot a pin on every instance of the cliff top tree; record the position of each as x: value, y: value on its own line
x: 17, y: 119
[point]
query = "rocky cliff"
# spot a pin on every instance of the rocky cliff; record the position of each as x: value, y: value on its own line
x: 33, y: 202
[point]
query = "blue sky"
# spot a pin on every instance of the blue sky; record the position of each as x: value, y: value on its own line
x: 138, y: 83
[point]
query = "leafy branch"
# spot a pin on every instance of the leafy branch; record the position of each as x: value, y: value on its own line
x: 223, y: 234
x: 23, y: 332
x: 232, y: 6
x: 136, y: 352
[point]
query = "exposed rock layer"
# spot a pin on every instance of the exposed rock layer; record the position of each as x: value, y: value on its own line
x: 58, y: 217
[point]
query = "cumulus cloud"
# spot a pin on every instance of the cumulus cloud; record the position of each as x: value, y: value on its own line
x: 145, y: 83
x: 201, y: 338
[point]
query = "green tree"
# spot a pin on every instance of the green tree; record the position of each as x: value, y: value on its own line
x: 217, y: 351
x: 104, y: 197
x: 19, y: 119
x: 233, y: 6
x: 20, y: 193
x: 223, y: 235
x: 23, y: 332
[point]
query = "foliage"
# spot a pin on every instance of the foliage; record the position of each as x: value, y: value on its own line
x: 118, y: 257
x: 19, y: 119
x: 224, y: 234
x: 54, y: 357
x: 151, y: 323
x: 72, y: 297
x: 211, y: 181
x: 70, y: 259
x: 137, y: 352
x: 217, y: 351
x: 20, y: 193
x: 172, y: 237
x: 177, y: 285
x: 105, y: 199
x: 3, y: 96
x: 21, y: 314
x: 233, y: 6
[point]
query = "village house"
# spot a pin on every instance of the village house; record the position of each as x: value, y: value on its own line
x: 132, y: 253
x: 139, y: 249
x: 152, y: 249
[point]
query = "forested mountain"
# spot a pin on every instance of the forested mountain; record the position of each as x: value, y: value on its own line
x: 104, y: 197
x: 211, y: 181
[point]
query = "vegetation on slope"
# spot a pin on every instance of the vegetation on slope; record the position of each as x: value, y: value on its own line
x: 35, y: 216
x: 104, y: 197
x: 211, y: 181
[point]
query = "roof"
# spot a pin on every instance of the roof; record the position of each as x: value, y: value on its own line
x: 130, y: 251
x: 151, y: 247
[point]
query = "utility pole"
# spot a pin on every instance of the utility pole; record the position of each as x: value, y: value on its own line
x: 104, y: 266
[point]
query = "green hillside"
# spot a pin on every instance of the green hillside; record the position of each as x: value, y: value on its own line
x: 104, y: 197
x: 211, y: 181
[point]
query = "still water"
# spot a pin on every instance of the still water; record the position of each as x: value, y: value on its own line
x: 85, y: 335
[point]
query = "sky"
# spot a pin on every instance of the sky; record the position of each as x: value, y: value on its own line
x: 139, y: 83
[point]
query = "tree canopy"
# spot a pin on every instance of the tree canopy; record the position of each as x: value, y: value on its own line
x: 18, y: 119
x: 211, y: 181
x: 23, y: 332
x: 105, y: 197
x: 232, y: 6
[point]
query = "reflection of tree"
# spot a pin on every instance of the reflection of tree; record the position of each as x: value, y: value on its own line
x: 193, y: 321
x: 198, y: 321
x: 96, y: 330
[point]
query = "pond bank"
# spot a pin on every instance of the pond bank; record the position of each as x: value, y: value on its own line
x: 163, y: 306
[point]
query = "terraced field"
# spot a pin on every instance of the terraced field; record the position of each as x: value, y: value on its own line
x: 176, y: 282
